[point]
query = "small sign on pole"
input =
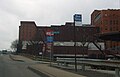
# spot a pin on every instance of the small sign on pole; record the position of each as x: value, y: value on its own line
x: 49, y: 39
x: 78, y: 19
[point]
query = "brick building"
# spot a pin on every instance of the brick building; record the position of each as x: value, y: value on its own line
x: 34, y: 38
x: 64, y: 41
x: 66, y: 32
x: 107, y: 21
x: 29, y: 36
x: 27, y: 30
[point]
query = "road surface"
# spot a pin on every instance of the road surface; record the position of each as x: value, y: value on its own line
x: 10, y: 68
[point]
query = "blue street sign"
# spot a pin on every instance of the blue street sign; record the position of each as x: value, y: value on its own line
x: 55, y: 32
x: 49, y: 39
x: 78, y: 17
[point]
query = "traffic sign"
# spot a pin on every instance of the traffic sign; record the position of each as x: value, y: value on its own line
x: 49, y: 33
x: 49, y: 39
x: 78, y: 17
x: 56, y: 32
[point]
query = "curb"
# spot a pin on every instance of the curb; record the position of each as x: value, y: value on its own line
x: 41, y: 73
x: 62, y: 67
x: 15, y: 59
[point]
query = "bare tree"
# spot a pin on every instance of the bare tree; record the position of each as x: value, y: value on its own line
x: 14, y: 45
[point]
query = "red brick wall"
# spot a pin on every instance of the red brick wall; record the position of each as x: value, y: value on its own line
x: 107, y: 21
x: 69, y: 50
x: 66, y: 33
x: 27, y: 31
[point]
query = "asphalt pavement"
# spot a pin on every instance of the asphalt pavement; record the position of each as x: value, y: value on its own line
x: 10, y: 68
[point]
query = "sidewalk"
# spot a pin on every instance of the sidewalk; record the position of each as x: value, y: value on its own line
x: 20, y: 58
x: 53, y: 72
x: 45, y: 68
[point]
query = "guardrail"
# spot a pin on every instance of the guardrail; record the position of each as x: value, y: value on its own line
x: 111, y: 63
x: 92, y: 62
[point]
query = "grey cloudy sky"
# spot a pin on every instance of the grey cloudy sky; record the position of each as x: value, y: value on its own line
x: 44, y: 12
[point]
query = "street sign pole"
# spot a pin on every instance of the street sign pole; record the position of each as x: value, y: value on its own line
x: 49, y: 43
x: 75, y: 50
x: 77, y: 18
x: 50, y: 39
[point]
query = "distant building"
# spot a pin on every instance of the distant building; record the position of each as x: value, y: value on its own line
x: 107, y: 21
x: 34, y: 39
x: 64, y: 41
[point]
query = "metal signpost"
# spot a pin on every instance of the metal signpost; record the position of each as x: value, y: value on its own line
x: 50, y: 35
x: 77, y: 18
x: 50, y: 39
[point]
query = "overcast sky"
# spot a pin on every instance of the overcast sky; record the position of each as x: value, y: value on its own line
x: 44, y: 12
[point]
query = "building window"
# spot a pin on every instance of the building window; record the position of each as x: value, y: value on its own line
x: 116, y: 22
x: 116, y: 28
x: 110, y: 28
x: 106, y: 22
x: 110, y: 22
x: 98, y: 30
x: 117, y: 43
x: 106, y: 28
x: 106, y: 15
x: 101, y: 22
x: 113, y: 15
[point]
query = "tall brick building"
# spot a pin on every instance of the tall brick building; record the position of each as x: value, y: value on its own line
x: 108, y: 21
x: 29, y: 36
x: 27, y: 30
